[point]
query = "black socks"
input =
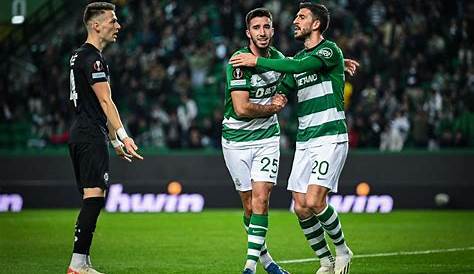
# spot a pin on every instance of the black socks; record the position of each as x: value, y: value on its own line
x: 85, y: 225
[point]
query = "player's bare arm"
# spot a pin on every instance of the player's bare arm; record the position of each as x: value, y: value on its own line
x: 244, y: 108
x: 103, y: 93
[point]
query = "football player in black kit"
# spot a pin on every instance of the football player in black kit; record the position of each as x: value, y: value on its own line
x: 96, y: 121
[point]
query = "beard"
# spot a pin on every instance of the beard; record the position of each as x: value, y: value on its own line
x: 256, y: 43
x: 303, y: 34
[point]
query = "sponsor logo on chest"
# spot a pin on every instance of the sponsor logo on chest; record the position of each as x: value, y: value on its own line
x: 307, y: 79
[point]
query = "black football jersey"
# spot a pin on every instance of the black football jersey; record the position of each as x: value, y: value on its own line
x: 89, y: 124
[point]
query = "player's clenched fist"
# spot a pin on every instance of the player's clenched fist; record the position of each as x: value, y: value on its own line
x: 279, y: 99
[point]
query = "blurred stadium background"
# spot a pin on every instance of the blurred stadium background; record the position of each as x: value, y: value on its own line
x: 410, y: 111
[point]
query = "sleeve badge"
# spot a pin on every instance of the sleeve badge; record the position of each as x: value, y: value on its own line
x: 238, y: 73
x: 98, y: 66
x: 325, y: 53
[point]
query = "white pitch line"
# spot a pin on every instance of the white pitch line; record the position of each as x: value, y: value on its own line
x: 422, y: 252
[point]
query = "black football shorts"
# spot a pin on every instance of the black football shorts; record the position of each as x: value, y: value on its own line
x: 91, y: 165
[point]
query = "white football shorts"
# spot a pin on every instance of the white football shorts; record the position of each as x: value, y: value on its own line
x: 319, y: 165
x: 258, y: 164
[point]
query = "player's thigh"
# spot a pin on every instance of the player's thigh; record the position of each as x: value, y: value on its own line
x: 300, y: 171
x: 74, y: 155
x: 327, y: 162
x: 93, y: 165
x: 238, y: 162
x: 265, y: 164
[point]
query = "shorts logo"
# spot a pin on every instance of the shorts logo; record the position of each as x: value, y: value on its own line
x: 237, y: 182
x: 98, y: 66
x: 106, y: 177
x: 325, y: 52
x: 238, y: 73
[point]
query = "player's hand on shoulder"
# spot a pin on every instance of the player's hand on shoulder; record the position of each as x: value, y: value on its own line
x: 243, y: 60
x: 131, y: 148
x: 351, y: 66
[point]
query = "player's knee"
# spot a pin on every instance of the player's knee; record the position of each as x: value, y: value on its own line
x: 316, y: 205
x: 301, y: 210
x: 93, y: 192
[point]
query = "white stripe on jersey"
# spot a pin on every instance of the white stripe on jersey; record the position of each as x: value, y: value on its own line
x: 263, y: 79
x: 261, y: 101
x: 319, y: 118
x: 315, y: 91
x: 254, y: 124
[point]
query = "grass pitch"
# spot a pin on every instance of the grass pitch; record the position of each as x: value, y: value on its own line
x: 40, y: 241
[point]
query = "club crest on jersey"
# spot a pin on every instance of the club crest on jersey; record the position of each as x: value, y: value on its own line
x: 325, y: 52
x: 98, y: 66
x: 238, y: 73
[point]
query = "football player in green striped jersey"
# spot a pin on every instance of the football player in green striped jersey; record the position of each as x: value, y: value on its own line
x: 316, y: 74
x: 250, y: 136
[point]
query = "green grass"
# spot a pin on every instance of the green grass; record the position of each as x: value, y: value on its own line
x: 40, y: 241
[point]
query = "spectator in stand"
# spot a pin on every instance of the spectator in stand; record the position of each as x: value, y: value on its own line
x: 406, y: 63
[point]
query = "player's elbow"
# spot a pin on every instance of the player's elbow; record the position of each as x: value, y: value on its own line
x: 241, y: 111
x: 105, y: 100
x: 105, y: 104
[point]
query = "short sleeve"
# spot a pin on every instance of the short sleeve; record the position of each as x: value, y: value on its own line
x: 237, y: 78
x: 95, y: 69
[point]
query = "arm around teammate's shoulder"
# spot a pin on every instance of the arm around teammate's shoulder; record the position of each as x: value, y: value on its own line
x: 290, y: 65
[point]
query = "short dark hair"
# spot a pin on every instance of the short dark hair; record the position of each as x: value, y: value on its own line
x: 320, y: 13
x: 258, y: 12
x: 95, y: 9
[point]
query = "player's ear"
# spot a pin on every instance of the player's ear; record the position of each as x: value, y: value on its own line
x: 316, y: 24
x: 247, y: 32
x: 273, y: 32
x: 95, y: 25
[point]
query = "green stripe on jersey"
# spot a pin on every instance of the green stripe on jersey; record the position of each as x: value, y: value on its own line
x: 316, y: 105
x: 239, y: 135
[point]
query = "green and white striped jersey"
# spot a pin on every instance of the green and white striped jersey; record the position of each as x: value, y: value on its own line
x: 261, y: 84
x: 320, y: 94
